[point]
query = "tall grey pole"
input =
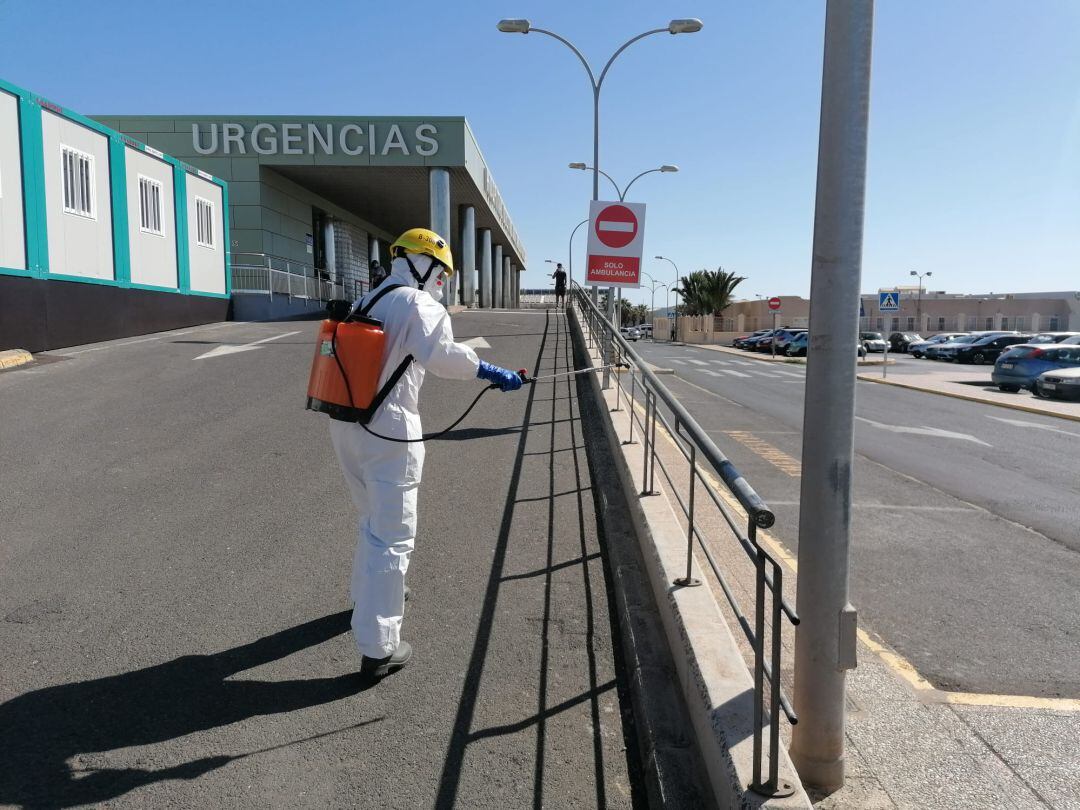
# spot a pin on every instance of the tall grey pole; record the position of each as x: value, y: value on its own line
x: 467, y: 218
x: 825, y: 638
x: 497, y: 278
x: 439, y: 198
x: 570, y: 253
x: 485, y: 268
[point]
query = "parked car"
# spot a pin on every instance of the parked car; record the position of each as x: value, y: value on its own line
x: 1018, y: 366
x: 1054, y: 337
x: 900, y: 341
x: 782, y: 336
x: 740, y: 341
x: 784, y: 339
x: 945, y: 351
x: 796, y: 347
x: 798, y: 344
x: 645, y: 329
x: 631, y: 332
x: 872, y: 341
x: 918, y: 349
x: 751, y: 342
x: 1061, y: 383
x: 988, y: 349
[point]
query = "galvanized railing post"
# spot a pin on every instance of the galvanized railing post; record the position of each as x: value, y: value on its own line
x: 759, y: 663
x: 688, y: 581
x: 645, y: 489
x: 633, y: 388
x: 617, y: 358
x: 652, y: 443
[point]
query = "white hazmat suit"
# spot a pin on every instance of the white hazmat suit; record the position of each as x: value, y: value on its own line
x: 384, y: 476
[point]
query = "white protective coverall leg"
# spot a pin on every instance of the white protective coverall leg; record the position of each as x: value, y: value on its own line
x: 384, y: 476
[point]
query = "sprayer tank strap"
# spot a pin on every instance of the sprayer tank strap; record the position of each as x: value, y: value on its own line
x: 366, y: 307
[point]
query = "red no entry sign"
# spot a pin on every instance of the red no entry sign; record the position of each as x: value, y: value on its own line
x: 616, y: 226
x: 774, y: 303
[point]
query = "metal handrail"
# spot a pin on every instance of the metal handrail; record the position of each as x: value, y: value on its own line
x: 769, y: 574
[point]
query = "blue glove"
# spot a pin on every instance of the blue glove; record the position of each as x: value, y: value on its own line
x: 504, y: 378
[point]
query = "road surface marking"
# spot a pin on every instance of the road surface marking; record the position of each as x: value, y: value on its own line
x: 899, y: 665
x: 1036, y: 425
x: 742, y: 362
x: 228, y: 348
x: 476, y: 343
x: 775, y: 456
x: 789, y: 374
x: 719, y: 362
x: 712, y: 373
x: 697, y: 362
x: 674, y: 360
x: 734, y: 373
x: 924, y: 431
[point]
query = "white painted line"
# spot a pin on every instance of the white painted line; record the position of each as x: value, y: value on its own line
x: 742, y: 362
x: 924, y: 431
x: 1035, y: 425
x: 112, y: 346
x: 735, y: 373
x: 673, y: 360
x: 788, y: 373
x: 477, y: 343
x: 226, y: 348
x: 698, y: 362
x: 719, y: 362
x: 712, y: 373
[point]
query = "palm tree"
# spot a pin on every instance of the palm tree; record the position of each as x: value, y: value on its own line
x: 708, y: 292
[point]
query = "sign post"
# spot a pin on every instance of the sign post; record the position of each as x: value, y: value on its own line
x: 887, y: 302
x: 774, y: 305
x: 616, y: 241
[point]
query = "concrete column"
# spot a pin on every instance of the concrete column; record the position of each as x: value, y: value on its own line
x: 507, y: 297
x: 439, y: 201
x: 331, y: 254
x: 515, y: 298
x: 485, y: 268
x: 497, y: 278
x: 467, y: 218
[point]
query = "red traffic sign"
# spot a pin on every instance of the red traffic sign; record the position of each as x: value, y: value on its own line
x: 774, y: 303
x: 616, y: 226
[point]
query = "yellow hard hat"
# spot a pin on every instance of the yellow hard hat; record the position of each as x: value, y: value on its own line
x: 428, y: 243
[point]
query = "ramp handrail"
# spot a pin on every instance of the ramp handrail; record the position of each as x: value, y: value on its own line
x: 269, y: 274
x: 692, y: 442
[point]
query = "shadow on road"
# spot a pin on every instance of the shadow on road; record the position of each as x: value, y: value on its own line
x: 41, y: 731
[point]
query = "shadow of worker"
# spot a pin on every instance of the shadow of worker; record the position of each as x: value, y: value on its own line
x: 41, y: 730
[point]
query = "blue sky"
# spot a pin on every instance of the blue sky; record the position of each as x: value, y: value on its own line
x: 974, y: 168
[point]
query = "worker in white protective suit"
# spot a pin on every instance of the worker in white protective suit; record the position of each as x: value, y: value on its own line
x: 384, y: 475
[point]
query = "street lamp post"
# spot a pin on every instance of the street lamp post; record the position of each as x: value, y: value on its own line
x: 519, y: 26
x: 677, y: 279
x: 666, y: 169
x: 652, y: 303
x: 570, y: 250
x: 918, y: 305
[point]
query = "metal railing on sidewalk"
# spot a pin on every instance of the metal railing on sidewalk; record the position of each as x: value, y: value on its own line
x: 275, y: 275
x: 696, y: 447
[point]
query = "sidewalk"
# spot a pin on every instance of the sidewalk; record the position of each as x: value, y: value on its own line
x: 973, y: 383
x: 174, y: 578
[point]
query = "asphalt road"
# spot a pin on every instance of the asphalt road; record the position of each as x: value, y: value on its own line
x: 174, y: 574
x: 966, y: 548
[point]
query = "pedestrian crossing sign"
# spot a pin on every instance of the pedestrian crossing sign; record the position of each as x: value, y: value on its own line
x: 889, y: 301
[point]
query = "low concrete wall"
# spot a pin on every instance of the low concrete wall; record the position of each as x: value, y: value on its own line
x: 261, y: 307
x: 714, y: 679
x: 39, y: 314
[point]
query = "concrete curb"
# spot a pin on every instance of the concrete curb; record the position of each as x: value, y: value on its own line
x: 13, y: 358
x: 714, y: 679
x: 956, y: 395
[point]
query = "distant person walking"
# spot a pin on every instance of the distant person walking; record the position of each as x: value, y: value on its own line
x: 376, y: 274
x: 560, y: 285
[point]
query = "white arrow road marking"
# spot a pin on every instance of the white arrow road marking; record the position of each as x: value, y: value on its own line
x: 477, y: 343
x: 1036, y: 425
x: 924, y: 431
x: 230, y: 348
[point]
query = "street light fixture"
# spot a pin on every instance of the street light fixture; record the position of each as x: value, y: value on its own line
x: 520, y: 26
x: 666, y: 168
x: 918, y: 305
x: 652, y: 304
x: 677, y: 279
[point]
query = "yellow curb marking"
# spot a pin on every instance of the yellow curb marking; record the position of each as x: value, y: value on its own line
x: 899, y: 665
x: 778, y: 458
x: 15, y: 357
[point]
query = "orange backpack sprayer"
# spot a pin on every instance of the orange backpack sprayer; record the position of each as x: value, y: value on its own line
x: 344, y: 381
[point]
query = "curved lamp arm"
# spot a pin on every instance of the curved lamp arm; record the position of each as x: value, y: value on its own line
x: 627, y: 189
x: 622, y: 48
x: 577, y: 53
